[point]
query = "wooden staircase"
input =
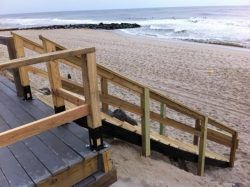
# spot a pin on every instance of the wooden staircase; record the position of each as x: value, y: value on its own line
x: 143, y: 134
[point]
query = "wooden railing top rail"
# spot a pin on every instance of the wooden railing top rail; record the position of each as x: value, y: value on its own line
x: 30, y: 44
x: 44, y: 57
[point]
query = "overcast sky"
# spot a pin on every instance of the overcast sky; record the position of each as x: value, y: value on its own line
x: 24, y: 6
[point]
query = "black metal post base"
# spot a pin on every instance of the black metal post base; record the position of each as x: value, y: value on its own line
x: 96, y: 138
x: 59, y: 109
x: 27, y: 93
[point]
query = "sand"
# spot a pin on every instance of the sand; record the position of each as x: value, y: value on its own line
x: 212, y: 79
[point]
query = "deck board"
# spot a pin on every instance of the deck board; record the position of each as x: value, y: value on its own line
x: 40, y: 157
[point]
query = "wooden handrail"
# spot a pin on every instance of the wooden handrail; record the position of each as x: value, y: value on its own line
x: 70, y: 96
x: 20, y: 133
x: 20, y: 62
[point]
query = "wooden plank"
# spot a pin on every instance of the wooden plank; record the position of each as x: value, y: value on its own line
x: 202, y: 147
x: 106, y: 161
x: 145, y: 124
x: 233, y: 149
x: 20, y: 53
x: 66, y: 83
x: 70, y: 96
x: 54, y: 76
x: 12, y: 170
x: 91, y: 93
x: 163, y: 115
x: 175, y: 105
x: 221, y: 126
x: 72, y: 86
x: 3, y: 180
x: 197, y: 127
x: 34, y: 144
x: 29, y: 44
x: 104, y: 90
x: 29, y: 162
x: 43, y: 58
x: 72, y: 175
x: 15, y: 72
x: 117, y: 102
x: 33, y: 128
x: 119, y: 79
x: 106, y: 180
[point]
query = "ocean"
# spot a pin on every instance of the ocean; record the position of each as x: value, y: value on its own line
x: 228, y: 25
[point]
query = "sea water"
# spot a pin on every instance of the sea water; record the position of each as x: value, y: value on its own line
x: 228, y: 25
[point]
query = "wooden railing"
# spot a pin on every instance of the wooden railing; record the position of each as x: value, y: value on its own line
x: 220, y: 133
x: 89, y: 107
x: 9, y: 43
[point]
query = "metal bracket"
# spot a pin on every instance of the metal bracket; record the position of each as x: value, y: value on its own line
x: 96, y: 138
x: 27, y: 93
x: 59, y: 109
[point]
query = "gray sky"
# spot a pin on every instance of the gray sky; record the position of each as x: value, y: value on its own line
x: 24, y: 6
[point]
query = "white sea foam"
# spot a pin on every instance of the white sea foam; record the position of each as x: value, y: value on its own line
x: 194, y: 28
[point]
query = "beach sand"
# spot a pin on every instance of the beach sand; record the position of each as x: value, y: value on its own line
x: 214, y: 80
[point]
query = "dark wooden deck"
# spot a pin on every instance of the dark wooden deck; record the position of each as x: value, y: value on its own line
x: 34, y: 160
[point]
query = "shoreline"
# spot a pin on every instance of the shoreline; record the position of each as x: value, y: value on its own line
x: 203, y: 44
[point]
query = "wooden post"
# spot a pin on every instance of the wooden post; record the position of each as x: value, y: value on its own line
x: 12, y: 55
x: 104, y: 90
x: 163, y: 115
x: 24, y: 77
x: 202, y: 147
x: 233, y: 149
x: 91, y: 93
x: 54, y: 78
x: 145, y: 123
x: 197, y: 127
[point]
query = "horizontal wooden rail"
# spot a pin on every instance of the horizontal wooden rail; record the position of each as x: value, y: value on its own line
x: 20, y: 133
x: 16, y: 63
x: 29, y: 44
x: 70, y: 96
x: 221, y: 126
